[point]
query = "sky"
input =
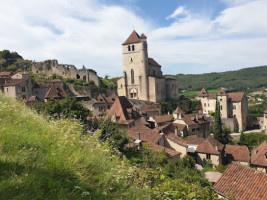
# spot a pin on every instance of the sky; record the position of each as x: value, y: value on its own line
x: 184, y: 36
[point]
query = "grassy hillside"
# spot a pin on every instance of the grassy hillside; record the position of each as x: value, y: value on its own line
x: 247, y: 79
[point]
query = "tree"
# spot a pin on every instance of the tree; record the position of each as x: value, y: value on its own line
x: 226, y: 135
x: 217, y: 128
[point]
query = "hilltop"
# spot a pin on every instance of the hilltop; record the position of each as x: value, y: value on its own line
x: 247, y: 79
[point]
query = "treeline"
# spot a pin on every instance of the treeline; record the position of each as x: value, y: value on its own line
x: 248, y: 79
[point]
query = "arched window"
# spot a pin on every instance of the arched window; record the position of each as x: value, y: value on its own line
x: 132, y: 47
x: 77, y: 76
x: 129, y: 48
x: 132, y: 76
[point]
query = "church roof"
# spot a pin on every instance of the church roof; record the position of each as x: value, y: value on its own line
x: 151, y: 61
x: 133, y: 38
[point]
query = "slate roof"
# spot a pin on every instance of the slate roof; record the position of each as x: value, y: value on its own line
x: 163, y: 118
x: 260, y: 157
x: 56, y: 91
x: 243, y: 182
x: 151, y: 61
x: 133, y: 38
x: 146, y: 134
x: 210, y: 146
x: 238, y: 152
x: 13, y: 82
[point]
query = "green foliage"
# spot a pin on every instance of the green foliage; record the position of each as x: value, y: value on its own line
x: 5, y: 54
x: 191, y: 94
x: 110, y: 133
x: 257, y: 110
x: 252, y: 139
x: 63, y: 108
x: 187, y: 162
x: 110, y: 83
x: 247, y: 79
x: 54, y: 76
x: 217, y: 128
x: 226, y: 135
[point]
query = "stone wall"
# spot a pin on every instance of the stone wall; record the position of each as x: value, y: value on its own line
x: 255, y: 122
x: 50, y: 67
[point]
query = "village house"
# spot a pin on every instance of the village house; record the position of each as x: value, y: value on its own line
x: 40, y: 90
x: 210, y: 150
x: 102, y: 104
x: 241, y: 182
x: 20, y: 75
x: 124, y: 114
x: 56, y: 92
x: 157, y: 121
x: 237, y: 153
x: 141, y: 134
x: 6, y: 74
x: 33, y: 100
x: 149, y: 110
x: 259, y: 157
x: 197, y: 124
x: 234, y: 107
x: 142, y: 76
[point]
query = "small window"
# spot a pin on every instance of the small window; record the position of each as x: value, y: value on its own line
x: 131, y: 60
x: 129, y: 48
x: 132, y: 47
x: 23, y: 89
x: 234, y: 107
x: 220, y: 100
x: 121, y: 85
x: 208, y: 156
x: 221, y: 107
x: 234, y: 116
x: 193, y: 129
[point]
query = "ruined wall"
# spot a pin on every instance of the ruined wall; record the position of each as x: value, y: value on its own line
x: 50, y: 67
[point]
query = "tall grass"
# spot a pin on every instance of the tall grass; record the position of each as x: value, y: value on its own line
x: 53, y: 160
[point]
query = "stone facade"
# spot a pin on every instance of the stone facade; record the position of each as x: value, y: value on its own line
x: 142, y: 77
x: 232, y: 105
x: 50, y: 67
x: 265, y: 121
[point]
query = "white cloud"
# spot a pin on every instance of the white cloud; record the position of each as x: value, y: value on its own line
x: 87, y: 32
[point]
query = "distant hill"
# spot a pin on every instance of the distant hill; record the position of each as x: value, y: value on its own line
x: 247, y: 79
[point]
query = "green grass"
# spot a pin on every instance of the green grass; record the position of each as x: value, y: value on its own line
x: 52, y: 160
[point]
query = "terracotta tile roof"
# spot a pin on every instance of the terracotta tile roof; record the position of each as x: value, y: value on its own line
x: 163, y: 118
x: 203, y: 93
x: 120, y: 107
x: 13, y: 82
x: 178, y: 110
x: 236, y: 96
x: 194, y: 139
x: 150, y: 108
x: 146, y: 134
x: 101, y: 99
x: 151, y: 61
x: 210, y: 146
x: 33, y: 100
x: 170, y: 128
x: 212, y: 96
x: 260, y: 157
x: 133, y: 38
x: 56, y: 91
x: 169, y: 152
x: 212, y: 176
x: 176, y: 139
x: 181, y: 127
x: 222, y: 92
x: 192, y: 119
x: 143, y: 36
x: 41, y: 85
x: 244, y: 182
x: 239, y: 153
x: 170, y: 77
x: 6, y: 73
x: 56, y: 81
x: 112, y: 98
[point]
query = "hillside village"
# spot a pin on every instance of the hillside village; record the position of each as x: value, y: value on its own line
x: 134, y: 106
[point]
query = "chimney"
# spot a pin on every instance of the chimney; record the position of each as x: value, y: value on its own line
x: 137, y: 136
x: 176, y: 131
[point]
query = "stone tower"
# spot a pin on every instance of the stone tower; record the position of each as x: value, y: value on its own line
x: 142, y: 76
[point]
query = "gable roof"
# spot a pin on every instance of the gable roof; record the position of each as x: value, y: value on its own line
x: 123, y: 109
x: 133, y: 38
x: 260, y: 157
x: 13, y: 82
x: 203, y: 93
x: 243, y: 182
x: 170, y: 128
x: 33, y: 100
x: 194, y: 139
x: 143, y: 36
x: 210, y: 146
x: 170, y: 153
x: 178, y: 110
x: 41, y: 85
x: 151, y: 61
x: 222, y: 92
x: 236, y: 96
x: 149, y: 108
x: 192, y: 119
x: 163, y: 118
x: 238, y: 152
x: 56, y: 91
x: 112, y: 98
x: 146, y: 134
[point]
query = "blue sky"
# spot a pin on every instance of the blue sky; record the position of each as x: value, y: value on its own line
x: 184, y: 36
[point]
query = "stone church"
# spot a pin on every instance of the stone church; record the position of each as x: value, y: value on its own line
x: 142, y: 76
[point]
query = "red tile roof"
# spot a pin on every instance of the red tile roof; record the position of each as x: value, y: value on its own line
x: 163, y: 118
x: 151, y: 61
x: 239, y: 153
x: 222, y: 92
x: 192, y: 119
x: 41, y: 85
x: 6, y: 73
x: 194, y: 139
x: 56, y: 81
x: 133, y: 38
x: 150, y: 108
x: 210, y: 146
x: 259, y: 158
x: 56, y: 91
x: 170, y: 77
x: 146, y: 134
x: 242, y: 183
x: 170, y: 128
x: 203, y: 93
x: 176, y: 139
x: 33, y: 100
x: 178, y: 110
x: 236, y: 96
x: 112, y: 98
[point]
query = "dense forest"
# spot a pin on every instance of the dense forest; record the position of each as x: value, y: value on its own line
x: 247, y: 79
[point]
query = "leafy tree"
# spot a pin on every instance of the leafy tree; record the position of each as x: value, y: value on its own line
x: 226, y: 135
x: 187, y: 162
x: 5, y: 54
x: 217, y: 129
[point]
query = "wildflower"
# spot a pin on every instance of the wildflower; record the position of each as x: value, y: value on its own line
x: 77, y: 187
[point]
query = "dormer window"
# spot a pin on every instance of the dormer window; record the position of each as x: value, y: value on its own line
x: 129, y: 48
